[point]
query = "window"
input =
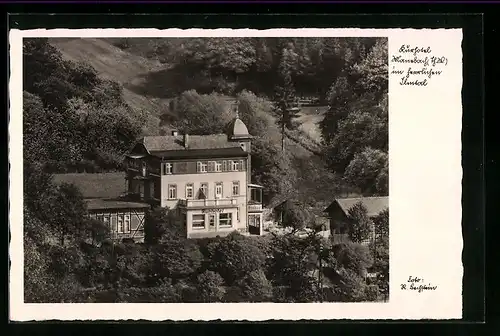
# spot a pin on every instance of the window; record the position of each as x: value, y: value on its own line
x: 224, y: 165
x: 127, y: 223
x: 106, y: 219
x: 254, y: 220
x: 236, y: 188
x: 256, y: 195
x: 201, y: 167
x: 203, y: 191
x: 225, y: 219
x: 133, y: 163
x: 211, y: 220
x: 218, y: 190
x: 172, y: 191
x: 199, y: 221
x: 189, y: 190
x: 121, y: 223
x: 167, y: 168
x: 218, y: 166
x: 241, y: 166
x: 211, y: 166
x: 233, y: 165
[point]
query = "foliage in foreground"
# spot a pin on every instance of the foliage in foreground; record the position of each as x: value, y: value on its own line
x: 80, y: 266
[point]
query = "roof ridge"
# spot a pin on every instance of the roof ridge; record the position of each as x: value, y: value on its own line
x: 351, y: 198
x: 180, y: 135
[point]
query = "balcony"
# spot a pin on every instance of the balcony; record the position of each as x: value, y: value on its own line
x: 204, y: 203
x: 254, y: 207
x: 255, y: 202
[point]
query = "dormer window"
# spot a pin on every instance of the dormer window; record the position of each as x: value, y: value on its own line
x: 167, y: 168
x: 201, y: 167
x: 234, y: 165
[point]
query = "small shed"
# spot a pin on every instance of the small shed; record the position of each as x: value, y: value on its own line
x: 338, y: 213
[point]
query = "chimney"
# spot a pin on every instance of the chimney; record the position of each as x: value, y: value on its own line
x: 175, y: 133
x: 186, y: 140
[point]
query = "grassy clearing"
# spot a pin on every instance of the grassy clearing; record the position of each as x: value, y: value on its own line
x: 310, y: 119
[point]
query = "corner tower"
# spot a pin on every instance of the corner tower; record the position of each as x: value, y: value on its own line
x: 237, y: 131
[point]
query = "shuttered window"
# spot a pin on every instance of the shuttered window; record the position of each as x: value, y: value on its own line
x: 218, y: 166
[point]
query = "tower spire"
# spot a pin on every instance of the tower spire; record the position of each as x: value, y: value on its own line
x: 237, y: 104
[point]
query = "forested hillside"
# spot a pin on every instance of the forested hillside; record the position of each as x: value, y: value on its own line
x: 149, y: 86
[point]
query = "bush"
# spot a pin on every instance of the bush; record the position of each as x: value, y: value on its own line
x: 201, y: 114
x: 234, y: 257
x: 255, y: 287
x: 210, y: 287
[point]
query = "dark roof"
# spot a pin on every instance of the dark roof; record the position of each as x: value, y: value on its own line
x: 176, y: 143
x: 374, y: 205
x: 102, y: 185
x: 280, y: 199
x: 237, y: 129
x: 104, y: 204
x: 201, y: 153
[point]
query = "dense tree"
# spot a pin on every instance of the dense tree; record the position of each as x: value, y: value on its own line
x: 255, y: 112
x: 65, y: 106
x: 381, y: 223
x: 357, y: 117
x: 284, y: 95
x: 176, y: 259
x: 255, y: 287
x: 163, y: 224
x: 201, y: 114
x: 210, y: 287
x: 382, y: 182
x: 233, y: 257
x: 364, y: 170
x: 361, y: 227
x: 356, y: 125
x: 381, y: 252
x: 290, y: 269
x: 66, y: 212
x: 41, y: 61
x: 164, y: 292
x: 381, y: 264
x: 296, y: 215
x: 353, y: 257
x: 35, y: 272
x: 271, y: 167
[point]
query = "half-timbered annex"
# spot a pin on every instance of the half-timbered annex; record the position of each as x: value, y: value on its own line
x: 104, y: 195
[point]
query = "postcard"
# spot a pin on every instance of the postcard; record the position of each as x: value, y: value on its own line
x: 235, y: 174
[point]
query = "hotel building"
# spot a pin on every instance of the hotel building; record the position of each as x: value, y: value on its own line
x: 206, y: 178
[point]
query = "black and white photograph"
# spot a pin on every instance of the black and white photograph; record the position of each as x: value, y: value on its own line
x: 235, y: 174
x: 210, y: 169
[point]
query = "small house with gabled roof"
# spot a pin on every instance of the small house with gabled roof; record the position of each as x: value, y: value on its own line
x: 338, y: 213
x: 104, y: 196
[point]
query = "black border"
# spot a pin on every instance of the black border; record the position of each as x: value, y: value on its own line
x: 473, y: 93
